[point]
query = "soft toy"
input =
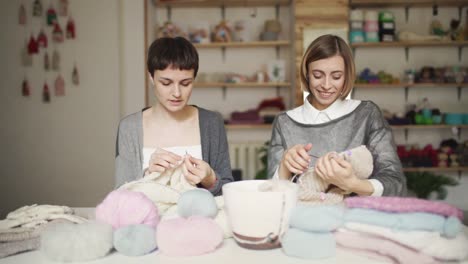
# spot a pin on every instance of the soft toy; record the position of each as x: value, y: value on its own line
x: 313, y: 189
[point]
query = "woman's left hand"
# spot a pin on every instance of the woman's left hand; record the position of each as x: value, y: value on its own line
x: 335, y: 170
x: 198, y: 171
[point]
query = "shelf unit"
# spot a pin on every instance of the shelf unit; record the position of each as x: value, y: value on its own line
x: 436, y: 169
x: 217, y: 3
x: 253, y: 44
x: 406, y: 3
x: 242, y: 85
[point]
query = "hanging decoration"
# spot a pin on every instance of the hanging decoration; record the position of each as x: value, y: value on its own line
x: 55, y: 60
x: 37, y: 8
x: 71, y: 33
x: 25, y: 89
x: 51, y: 16
x: 63, y: 7
x: 26, y: 58
x: 59, y: 86
x: 75, y: 76
x: 33, y: 46
x: 22, y: 15
x: 46, y: 61
x: 57, y: 33
x: 45, y: 93
x: 42, y: 39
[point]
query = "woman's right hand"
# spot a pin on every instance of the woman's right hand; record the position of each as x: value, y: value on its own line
x: 295, y: 160
x: 161, y: 160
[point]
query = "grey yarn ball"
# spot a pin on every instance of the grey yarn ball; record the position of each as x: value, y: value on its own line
x: 197, y: 202
x: 135, y: 240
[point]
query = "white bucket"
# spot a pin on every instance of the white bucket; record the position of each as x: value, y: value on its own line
x: 258, y: 219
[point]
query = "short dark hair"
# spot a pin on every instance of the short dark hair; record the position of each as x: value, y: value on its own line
x: 324, y: 47
x: 177, y: 53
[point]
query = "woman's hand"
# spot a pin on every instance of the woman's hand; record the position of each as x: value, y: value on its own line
x: 335, y: 170
x: 295, y: 160
x: 198, y: 171
x: 161, y: 160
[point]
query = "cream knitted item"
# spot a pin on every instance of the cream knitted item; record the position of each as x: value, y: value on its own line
x: 312, y: 188
x: 36, y: 215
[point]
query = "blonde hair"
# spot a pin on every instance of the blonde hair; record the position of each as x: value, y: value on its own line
x: 324, y: 47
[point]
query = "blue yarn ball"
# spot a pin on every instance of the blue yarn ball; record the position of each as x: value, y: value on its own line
x: 197, y: 202
x: 135, y: 240
x: 452, y: 227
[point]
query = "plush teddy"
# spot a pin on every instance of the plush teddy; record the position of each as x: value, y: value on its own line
x: 313, y: 189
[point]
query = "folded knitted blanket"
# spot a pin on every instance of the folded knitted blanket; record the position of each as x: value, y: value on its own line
x: 382, y: 246
x: 36, y: 215
x: 11, y: 248
x: 403, y: 205
x: 430, y: 243
x: 449, y: 227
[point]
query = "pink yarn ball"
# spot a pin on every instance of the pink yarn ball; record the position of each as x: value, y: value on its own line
x: 122, y: 207
x: 191, y: 236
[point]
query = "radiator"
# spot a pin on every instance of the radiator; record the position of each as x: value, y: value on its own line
x: 245, y: 156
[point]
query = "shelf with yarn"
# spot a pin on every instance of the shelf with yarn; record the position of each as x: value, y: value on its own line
x: 405, y: 3
x: 217, y: 3
x: 407, y: 86
x: 253, y: 44
x: 407, y: 44
x: 435, y: 169
x: 242, y: 84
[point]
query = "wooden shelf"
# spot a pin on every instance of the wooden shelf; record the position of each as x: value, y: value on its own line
x: 218, y: 3
x: 248, y: 126
x: 406, y: 3
x: 441, y: 126
x: 436, y: 169
x: 400, y: 85
x: 241, y: 85
x: 432, y: 43
x: 254, y: 44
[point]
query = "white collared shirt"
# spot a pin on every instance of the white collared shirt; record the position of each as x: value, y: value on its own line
x: 308, y: 114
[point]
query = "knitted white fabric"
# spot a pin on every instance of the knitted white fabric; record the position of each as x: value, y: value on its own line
x: 35, y: 215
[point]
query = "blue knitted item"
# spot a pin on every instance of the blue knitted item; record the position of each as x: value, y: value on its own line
x: 135, y: 240
x: 197, y: 202
x: 308, y: 245
x: 448, y: 227
x: 318, y: 218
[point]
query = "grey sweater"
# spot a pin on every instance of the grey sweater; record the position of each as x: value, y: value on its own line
x: 365, y: 125
x: 215, y: 152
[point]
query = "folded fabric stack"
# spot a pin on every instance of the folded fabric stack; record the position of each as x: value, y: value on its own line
x: 22, y: 228
x: 310, y: 231
x: 403, y: 230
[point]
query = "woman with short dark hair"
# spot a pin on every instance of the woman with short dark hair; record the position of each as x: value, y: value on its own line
x: 172, y: 131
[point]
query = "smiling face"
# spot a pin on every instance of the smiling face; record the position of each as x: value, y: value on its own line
x: 173, y: 88
x: 326, y: 81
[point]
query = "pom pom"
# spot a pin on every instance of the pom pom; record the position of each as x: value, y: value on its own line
x: 122, y: 207
x: 191, y: 236
x: 197, y: 202
x: 135, y: 240
x: 66, y: 242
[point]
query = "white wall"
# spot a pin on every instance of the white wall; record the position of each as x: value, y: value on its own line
x: 63, y: 152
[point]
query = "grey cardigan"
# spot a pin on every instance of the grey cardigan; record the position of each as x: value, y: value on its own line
x: 129, y: 148
x: 365, y: 125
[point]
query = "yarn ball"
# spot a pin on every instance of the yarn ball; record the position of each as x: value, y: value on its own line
x: 191, y: 236
x: 122, y: 207
x: 452, y: 227
x: 135, y: 240
x: 197, y: 202
x: 308, y: 245
x: 67, y: 242
x: 317, y: 218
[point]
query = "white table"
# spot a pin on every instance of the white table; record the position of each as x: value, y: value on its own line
x: 228, y: 253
